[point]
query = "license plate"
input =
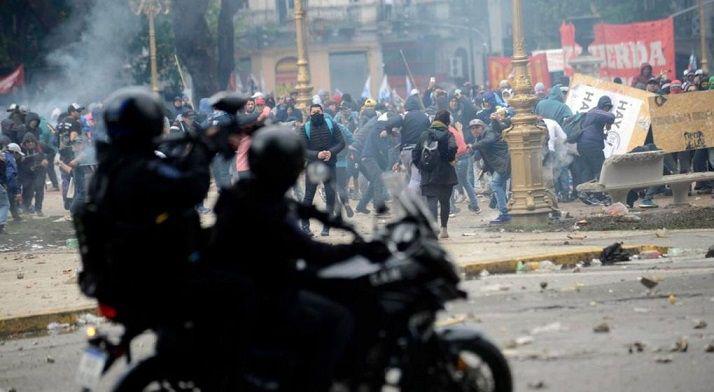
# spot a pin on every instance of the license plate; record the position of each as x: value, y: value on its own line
x: 91, y: 367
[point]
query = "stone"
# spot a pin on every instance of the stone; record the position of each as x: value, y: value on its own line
x: 700, y: 324
x: 602, y: 328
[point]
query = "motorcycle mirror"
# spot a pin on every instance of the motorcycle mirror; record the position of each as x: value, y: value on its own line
x: 227, y: 102
x: 317, y: 172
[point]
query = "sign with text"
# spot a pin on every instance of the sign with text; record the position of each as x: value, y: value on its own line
x: 630, y: 106
x: 625, y: 47
x: 683, y: 121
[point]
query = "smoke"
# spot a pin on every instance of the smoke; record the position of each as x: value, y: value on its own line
x: 94, y: 60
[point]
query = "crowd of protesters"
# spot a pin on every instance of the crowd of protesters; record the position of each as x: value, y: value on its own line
x: 447, y: 143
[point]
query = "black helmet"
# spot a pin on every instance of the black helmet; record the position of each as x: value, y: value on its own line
x: 134, y: 117
x: 276, y: 158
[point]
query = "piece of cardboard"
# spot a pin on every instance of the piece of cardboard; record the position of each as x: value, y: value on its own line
x: 630, y: 106
x: 683, y: 122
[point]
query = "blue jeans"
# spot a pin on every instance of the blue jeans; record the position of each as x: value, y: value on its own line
x: 4, y: 205
x: 462, y: 174
x: 498, y: 186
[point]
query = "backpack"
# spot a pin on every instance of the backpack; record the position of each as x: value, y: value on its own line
x: 573, y: 127
x: 430, y: 153
x: 308, y: 127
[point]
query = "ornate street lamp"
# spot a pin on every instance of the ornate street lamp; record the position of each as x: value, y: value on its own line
x: 151, y: 8
x: 703, y: 37
x: 529, y: 203
x: 303, y: 87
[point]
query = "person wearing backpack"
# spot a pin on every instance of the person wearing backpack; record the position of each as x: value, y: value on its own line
x: 553, y: 107
x: 435, y: 152
x: 591, y: 143
x: 323, y: 141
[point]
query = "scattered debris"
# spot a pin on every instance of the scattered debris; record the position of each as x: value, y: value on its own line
x: 700, y: 324
x: 578, y: 268
x: 582, y: 222
x: 495, y: 287
x: 536, y: 385
x: 88, y: 318
x: 641, y: 310
x: 710, y: 252
x: 55, y: 327
x: 20, y: 275
x: 661, y: 233
x: 617, y: 209
x: 576, y: 236
x: 636, y: 347
x: 50, y: 359
x: 602, y: 328
x: 519, y: 341
x: 484, y: 273
x: 629, y: 218
x: 650, y: 255
x: 663, y: 359
x: 543, y: 285
x: 468, y: 234
x: 614, y: 253
x: 709, y: 348
x: 672, y: 299
x: 649, y: 283
x: 680, y: 346
x: 520, y: 267
x: 552, y: 327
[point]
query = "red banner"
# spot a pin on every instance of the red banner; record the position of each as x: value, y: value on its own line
x: 624, y: 48
x: 10, y: 82
x: 499, y: 68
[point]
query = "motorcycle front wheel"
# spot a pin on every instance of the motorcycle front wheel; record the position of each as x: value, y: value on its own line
x: 477, y: 365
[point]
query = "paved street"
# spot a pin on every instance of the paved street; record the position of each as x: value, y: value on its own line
x: 564, y: 352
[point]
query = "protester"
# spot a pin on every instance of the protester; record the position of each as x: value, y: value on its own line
x: 12, y: 154
x: 643, y: 78
x: 591, y: 144
x: 415, y: 123
x: 463, y: 165
x: 323, y: 141
x: 32, y: 171
x: 436, y: 150
x: 493, y: 150
x: 554, y: 106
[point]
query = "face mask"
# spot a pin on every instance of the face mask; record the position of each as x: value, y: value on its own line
x: 317, y: 119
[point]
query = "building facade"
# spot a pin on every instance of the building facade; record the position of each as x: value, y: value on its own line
x: 350, y: 41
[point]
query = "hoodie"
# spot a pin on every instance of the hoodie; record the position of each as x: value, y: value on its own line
x: 444, y: 174
x: 415, y: 122
x: 553, y: 107
x: 485, y: 114
x: 593, y: 136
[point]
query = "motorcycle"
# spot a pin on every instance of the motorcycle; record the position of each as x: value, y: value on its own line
x: 398, y: 344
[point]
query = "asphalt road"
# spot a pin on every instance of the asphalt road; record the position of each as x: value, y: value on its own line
x: 562, y: 351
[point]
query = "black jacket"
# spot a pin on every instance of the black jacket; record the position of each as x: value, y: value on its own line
x: 493, y: 149
x: 244, y: 214
x: 444, y: 173
x: 415, y: 122
x: 150, y: 227
x: 323, y: 139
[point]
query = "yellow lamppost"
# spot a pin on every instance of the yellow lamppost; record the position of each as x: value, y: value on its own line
x: 303, y: 87
x: 703, y: 38
x: 151, y: 8
x: 529, y: 203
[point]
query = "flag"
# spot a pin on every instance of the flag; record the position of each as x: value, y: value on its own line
x: 366, y: 91
x: 409, y: 86
x: 385, y: 93
x: 14, y: 79
x: 692, y: 62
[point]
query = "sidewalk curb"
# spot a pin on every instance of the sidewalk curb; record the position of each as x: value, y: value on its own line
x: 503, y: 266
x: 39, y: 322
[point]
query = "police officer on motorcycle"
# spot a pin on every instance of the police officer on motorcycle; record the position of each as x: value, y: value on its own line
x: 140, y: 224
x: 257, y: 232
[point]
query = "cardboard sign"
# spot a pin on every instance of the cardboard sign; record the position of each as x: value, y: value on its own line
x: 630, y: 106
x: 683, y: 121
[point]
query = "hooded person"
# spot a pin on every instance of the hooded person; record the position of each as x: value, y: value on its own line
x: 434, y: 156
x: 644, y: 76
x: 413, y: 126
x: 553, y: 107
x: 489, y: 103
x: 591, y: 142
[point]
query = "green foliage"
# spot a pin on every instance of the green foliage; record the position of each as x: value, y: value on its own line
x: 169, y: 76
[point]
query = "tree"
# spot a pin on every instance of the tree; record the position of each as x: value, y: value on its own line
x: 208, y: 56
